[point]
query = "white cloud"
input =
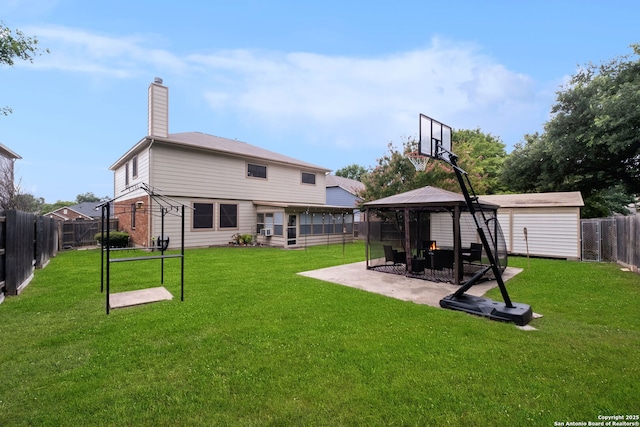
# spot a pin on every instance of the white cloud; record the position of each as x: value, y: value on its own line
x: 356, y: 102
x: 85, y: 52
x: 368, y: 99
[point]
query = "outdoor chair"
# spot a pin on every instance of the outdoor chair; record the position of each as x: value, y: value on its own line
x: 392, y: 255
x: 474, y: 253
x: 441, y: 259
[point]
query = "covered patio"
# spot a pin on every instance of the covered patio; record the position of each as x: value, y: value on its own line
x: 429, y: 233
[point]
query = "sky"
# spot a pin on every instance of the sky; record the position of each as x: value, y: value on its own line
x: 331, y: 83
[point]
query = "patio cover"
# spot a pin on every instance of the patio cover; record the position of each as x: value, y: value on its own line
x: 426, y: 197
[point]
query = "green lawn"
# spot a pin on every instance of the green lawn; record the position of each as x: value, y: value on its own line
x: 256, y: 344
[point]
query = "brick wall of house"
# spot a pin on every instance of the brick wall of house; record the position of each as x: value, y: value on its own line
x: 123, y: 210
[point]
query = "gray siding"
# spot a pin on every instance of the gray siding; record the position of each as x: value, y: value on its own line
x: 337, y: 196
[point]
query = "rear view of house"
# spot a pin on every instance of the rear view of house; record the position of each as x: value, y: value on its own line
x: 230, y: 187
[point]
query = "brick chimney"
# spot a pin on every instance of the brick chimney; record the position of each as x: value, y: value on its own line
x: 158, y: 109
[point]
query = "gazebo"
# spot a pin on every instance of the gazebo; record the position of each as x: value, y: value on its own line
x: 430, y: 233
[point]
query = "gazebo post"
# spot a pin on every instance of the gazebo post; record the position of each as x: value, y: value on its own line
x: 456, y: 245
x: 407, y: 240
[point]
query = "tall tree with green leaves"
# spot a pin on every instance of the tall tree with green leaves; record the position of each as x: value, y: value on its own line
x: 353, y: 171
x: 479, y: 154
x: 592, y: 142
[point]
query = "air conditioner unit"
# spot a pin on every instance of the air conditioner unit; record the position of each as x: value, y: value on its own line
x: 266, y: 232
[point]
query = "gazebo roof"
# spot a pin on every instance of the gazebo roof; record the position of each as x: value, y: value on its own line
x: 425, y: 197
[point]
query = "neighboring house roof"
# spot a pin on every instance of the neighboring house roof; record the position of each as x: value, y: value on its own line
x: 217, y: 144
x: 424, y: 197
x: 88, y: 209
x: 66, y: 213
x: 6, y: 152
x: 350, y: 185
x: 537, y: 200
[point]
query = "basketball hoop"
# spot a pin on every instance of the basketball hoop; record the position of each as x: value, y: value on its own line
x: 418, y: 160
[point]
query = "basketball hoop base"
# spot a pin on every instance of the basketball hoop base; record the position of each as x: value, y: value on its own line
x: 520, y: 314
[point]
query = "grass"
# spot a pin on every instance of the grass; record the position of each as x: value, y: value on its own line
x: 256, y: 344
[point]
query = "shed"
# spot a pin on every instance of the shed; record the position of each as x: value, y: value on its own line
x: 552, y: 221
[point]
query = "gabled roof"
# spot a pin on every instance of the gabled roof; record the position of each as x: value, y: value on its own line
x: 6, y: 152
x: 71, y: 214
x: 350, y: 185
x: 428, y: 197
x: 221, y: 145
x: 537, y: 200
x: 88, y: 208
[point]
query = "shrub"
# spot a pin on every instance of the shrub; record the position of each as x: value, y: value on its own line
x: 117, y: 239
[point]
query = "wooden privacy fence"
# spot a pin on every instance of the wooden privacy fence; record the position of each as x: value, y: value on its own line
x: 27, y: 241
x: 82, y: 233
x: 615, y: 239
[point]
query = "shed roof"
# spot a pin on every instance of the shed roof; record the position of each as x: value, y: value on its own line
x: 428, y: 197
x: 537, y: 200
x: 218, y: 144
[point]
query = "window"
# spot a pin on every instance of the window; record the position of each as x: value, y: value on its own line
x: 134, y: 167
x: 259, y: 222
x: 348, y: 219
x: 317, y: 223
x: 305, y: 223
x: 278, y: 219
x: 228, y: 216
x: 256, y: 171
x: 308, y: 178
x: 133, y: 215
x: 126, y: 174
x: 203, y: 215
x: 328, y: 224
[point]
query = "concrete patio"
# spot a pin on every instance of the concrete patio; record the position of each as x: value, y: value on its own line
x: 398, y: 286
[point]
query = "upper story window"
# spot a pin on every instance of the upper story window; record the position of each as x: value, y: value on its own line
x: 134, y: 167
x: 308, y: 178
x: 256, y: 171
x: 126, y: 174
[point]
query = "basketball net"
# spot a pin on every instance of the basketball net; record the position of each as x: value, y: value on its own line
x: 418, y: 160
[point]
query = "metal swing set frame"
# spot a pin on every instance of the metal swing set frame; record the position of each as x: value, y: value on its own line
x: 166, y: 206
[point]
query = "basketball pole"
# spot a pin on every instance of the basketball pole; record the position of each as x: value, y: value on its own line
x: 438, y: 144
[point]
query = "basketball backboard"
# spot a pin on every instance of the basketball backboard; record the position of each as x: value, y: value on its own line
x: 435, y: 138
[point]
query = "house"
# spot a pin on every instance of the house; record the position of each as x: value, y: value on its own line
x: 228, y: 187
x: 344, y: 192
x: 7, y: 170
x: 82, y: 211
x: 540, y: 224
x: 67, y: 213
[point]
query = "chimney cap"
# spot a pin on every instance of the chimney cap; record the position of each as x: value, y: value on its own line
x: 157, y: 80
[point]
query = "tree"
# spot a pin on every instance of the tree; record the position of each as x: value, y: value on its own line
x: 26, y: 202
x: 89, y: 197
x: 592, y: 142
x: 14, y: 44
x: 480, y: 155
x: 8, y: 189
x: 50, y: 207
x: 353, y: 171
